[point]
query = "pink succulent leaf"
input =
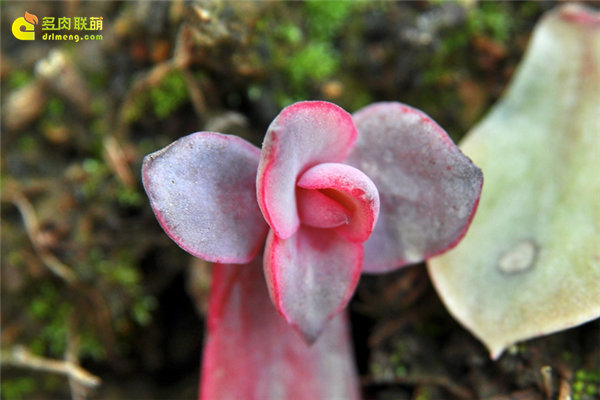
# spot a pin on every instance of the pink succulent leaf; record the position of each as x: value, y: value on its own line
x: 428, y: 188
x: 320, y: 211
x: 350, y: 188
x: 202, y: 191
x: 303, y: 135
x: 251, y: 353
x: 311, y: 276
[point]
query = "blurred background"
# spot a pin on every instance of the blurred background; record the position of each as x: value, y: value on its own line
x: 89, y: 282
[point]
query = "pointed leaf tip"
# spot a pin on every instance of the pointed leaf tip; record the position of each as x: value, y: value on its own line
x: 202, y: 191
x: 311, y: 276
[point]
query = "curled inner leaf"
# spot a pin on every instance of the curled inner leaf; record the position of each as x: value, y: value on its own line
x: 318, y: 210
x: 352, y: 190
x: 301, y: 136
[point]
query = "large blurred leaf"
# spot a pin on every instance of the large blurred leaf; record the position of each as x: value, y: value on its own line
x: 530, y: 263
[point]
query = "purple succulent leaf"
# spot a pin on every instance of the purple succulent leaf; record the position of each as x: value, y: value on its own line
x: 428, y: 188
x: 311, y: 276
x: 202, y: 191
x: 303, y: 135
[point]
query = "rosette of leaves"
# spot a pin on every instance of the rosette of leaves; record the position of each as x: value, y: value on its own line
x: 292, y: 226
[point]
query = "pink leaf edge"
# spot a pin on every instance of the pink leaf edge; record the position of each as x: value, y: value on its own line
x: 202, y: 191
x: 429, y: 190
x: 303, y: 135
x: 251, y: 353
x: 311, y: 276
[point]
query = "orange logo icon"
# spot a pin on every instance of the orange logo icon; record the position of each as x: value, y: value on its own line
x: 23, y: 28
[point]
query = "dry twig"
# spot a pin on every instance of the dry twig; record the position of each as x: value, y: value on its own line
x: 117, y: 161
x: 546, y: 372
x: 78, y: 391
x: 564, y: 390
x: 19, y: 356
x: 32, y: 228
x: 60, y: 269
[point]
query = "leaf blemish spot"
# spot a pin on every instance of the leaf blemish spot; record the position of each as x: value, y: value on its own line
x: 519, y: 258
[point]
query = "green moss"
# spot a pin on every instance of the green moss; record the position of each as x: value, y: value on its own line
x: 490, y: 19
x: 375, y: 369
x: 588, y: 375
x: 397, y: 359
x: 401, y: 370
x: 586, y: 384
x: 19, y: 78
x: 93, y: 166
x: 128, y: 196
x: 423, y: 394
x: 359, y: 99
x: 55, y: 107
x: 169, y: 94
x: 326, y: 18
x: 98, y: 106
x: 118, y: 269
x: 42, y: 305
x: 254, y: 92
x: 17, y: 388
x: 142, y: 310
x: 96, y: 174
x: 54, y: 334
x: 135, y: 110
x: 303, y: 46
x: 97, y: 80
x: 566, y: 356
x: 100, y: 183
x: 52, y: 311
x: 26, y: 144
x: 283, y: 99
x: 90, y: 345
x: 52, y: 314
x: 52, y: 383
x: 316, y: 61
x: 290, y: 33
x: 15, y: 258
x: 163, y: 99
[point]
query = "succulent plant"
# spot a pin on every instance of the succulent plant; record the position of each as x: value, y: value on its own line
x: 530, y: 264
x: 326, y: 189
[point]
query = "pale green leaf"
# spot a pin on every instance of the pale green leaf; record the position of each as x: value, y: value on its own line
x: 530, y: 263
